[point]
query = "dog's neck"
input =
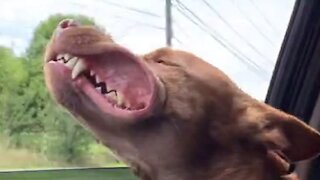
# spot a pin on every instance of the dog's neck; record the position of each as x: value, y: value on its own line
x: 179, y: 162
x: 175, y: 163
x: 219, y: 166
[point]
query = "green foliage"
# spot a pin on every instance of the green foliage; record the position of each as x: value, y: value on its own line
x: 44, y: 31
x: 12, y: 79
x: 28, y: 115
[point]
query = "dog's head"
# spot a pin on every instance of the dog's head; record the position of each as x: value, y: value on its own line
x: 164, y: 109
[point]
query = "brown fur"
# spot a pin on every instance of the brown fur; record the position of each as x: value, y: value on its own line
x: 205, y: 127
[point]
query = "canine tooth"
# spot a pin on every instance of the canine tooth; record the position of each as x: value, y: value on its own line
x: 67, y: 56
x: 72, y: 62
x: 120, y: 99
x: 60, y: 61
x: 78, y: 68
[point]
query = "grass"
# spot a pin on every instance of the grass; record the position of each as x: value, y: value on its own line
x: 31, y: 165
x: 11, y: 158
x: 22, y: 158
x: 71, y: 174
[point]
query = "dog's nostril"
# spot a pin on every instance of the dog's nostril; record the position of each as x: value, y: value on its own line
x: 66, y: 23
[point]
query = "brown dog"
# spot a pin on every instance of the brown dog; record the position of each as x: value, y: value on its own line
x: 169, y: 114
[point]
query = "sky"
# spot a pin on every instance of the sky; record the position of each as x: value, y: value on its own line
x: 229, y: 34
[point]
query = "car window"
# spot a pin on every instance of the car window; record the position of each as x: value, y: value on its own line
x: 243, y: 38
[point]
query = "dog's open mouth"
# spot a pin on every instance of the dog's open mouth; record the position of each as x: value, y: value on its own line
x: 115, y: 81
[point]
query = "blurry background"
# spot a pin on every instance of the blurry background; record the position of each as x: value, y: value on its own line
x: 241, y: 37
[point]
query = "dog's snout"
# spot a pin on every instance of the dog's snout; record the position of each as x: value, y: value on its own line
x: 67, y: 23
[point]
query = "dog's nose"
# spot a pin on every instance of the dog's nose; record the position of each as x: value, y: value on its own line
x: 68, y: 23
x: 65, y: 24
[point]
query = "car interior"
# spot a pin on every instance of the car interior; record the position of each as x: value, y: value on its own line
x: 295, y: 82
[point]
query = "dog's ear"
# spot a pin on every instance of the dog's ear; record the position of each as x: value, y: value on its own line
x: 292, y: 136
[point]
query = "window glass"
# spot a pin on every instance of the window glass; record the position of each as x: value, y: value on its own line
x: 243, y: 38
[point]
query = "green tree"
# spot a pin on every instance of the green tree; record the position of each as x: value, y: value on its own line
x: 28, y: 115
x: 12, y: 81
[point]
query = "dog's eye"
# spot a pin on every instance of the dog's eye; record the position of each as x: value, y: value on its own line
x: 164, y: 62
x: 160, y: 61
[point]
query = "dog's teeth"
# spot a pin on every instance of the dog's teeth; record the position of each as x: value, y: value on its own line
x: 106, y: 88
x: 60, y: 56
x: 78, y: 68
x: 92, y: 73
x: 98, y: 89
x: 60, y: 61
x: 120, y: 99
x: 127, y: 104
x: 72, y: 62
x: 112, y: 95
x: 98, y: 79
x: 67, y: 56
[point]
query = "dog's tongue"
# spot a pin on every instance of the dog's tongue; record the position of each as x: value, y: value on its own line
x: 122, y: 72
